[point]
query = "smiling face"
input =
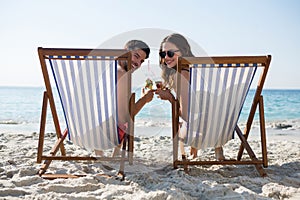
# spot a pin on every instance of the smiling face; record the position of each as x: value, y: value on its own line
x: 138, y: 57
x: 170, y: 61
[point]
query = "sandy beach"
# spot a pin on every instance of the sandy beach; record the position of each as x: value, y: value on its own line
x: 151, y: 176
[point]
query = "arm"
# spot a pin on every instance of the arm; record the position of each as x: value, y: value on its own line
x: 123, y: 98
x: 165, y: 95
x: 184, y: 92
x: 142, y: 101
x: 184, y: 95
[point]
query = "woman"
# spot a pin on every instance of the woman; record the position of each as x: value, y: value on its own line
x: 172, y: 47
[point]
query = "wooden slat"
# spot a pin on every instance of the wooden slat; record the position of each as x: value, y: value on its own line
x: 175, y: 126
x: 250, y: 152
x: 224, y: 59
x: 215, y: 162
x: 42, y: 128
x: 63, y: 176
x: 53, y: 151
x: 50, y: 97
x: 263, y: 132
x: 83, y: 52
x: 82, y: 158
x: 131, y: 128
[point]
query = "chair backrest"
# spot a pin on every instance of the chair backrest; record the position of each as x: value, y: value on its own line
x: 217, y: 91
x: 86, y: 81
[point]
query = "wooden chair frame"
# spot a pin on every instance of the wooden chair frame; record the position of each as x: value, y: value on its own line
x: 44, y: 54
x: 184, y: 62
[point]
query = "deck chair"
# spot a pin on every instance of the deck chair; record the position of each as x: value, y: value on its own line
x: 217, y: 92
x: 86, y: 83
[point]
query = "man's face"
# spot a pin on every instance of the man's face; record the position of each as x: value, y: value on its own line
x: 138, y: 57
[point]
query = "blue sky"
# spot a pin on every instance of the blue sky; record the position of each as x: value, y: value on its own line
x: 231, y: 27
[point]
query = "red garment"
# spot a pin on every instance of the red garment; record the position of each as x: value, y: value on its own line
x: 121, y: 134
x: 122, y: 128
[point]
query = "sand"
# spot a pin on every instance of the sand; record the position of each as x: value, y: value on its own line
x: 151, y: 176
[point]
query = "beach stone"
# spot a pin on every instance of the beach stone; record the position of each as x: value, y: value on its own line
x: 10, y: 174
x: 155, y: 195
x: 162, y: 137
x: 30, y: 171
x: 11, y: 192
x: 2, y: 147
x: 11, y: 162
x: 26, y: 181
x: 283, y: 126
x: 6, y: 184
x: 277, y: 191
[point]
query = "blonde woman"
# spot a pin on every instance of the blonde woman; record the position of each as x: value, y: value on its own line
x: 172, y: 47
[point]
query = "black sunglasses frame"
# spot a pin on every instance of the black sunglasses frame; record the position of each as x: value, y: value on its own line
x: 170, y: 53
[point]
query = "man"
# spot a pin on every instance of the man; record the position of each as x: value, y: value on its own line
x: 139, y: 52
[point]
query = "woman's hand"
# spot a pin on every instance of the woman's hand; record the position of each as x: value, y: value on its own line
x: 165, y: 95
x: 147, y: 95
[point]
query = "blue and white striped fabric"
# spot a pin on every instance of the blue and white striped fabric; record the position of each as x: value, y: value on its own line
x: 87, y: 90
x: 217, y: 94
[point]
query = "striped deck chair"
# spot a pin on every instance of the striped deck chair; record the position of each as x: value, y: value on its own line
x: 86, y: 82
x: 218, y: 89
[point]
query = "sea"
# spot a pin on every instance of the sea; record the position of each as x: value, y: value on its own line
x: 20, y: 111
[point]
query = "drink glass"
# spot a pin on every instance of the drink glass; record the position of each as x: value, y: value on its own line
x: 158, y: 85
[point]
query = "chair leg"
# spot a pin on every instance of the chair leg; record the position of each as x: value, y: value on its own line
x: 131, y: 129
x: 185, y: 166
x: 130, y: 148
x: 252, y: 155
x: 175, y: 136
x: 248, y: 125
x: 263, y: 132
x: 122, y: 162
x: 42, y: 128
x: 175, y: 151
x: 54, y: 150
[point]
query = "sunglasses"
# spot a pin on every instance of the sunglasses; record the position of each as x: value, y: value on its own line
x: 169, y: 53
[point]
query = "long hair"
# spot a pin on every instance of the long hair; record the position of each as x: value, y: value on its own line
x: 184, y: 47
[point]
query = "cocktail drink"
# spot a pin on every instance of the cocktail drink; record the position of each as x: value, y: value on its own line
x: 158, y: 85
x: 149, y: 84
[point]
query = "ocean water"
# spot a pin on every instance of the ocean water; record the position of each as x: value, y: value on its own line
x: 20, y: 110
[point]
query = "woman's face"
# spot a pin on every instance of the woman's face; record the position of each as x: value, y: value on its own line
x: 171, y: 61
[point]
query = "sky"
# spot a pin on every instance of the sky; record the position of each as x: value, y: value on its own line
x: 231, y: 27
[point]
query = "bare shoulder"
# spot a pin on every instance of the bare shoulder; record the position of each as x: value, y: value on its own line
x: 120, y: 72
x: 185, y: 74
